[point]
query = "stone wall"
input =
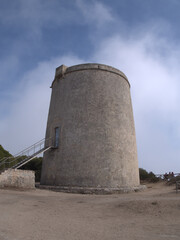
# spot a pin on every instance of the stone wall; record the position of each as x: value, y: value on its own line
x: 15, y: 178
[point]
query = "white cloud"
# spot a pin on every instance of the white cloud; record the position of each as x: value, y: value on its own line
x: 8, y: 67
x: 95, y: 12
x: 25, y: 121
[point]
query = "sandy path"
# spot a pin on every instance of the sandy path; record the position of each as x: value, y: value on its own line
x: 41, y: 214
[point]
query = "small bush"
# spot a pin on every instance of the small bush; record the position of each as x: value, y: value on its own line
x: 35, y: 165
x: 145, y: 176
x: 173, y: 180
x: 4, y: 153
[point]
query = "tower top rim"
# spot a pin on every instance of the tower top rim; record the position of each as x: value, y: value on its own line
x: 63, y: 70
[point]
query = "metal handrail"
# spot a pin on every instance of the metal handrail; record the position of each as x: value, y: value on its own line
x: 32, y: 157
x: 29, y: 151
x: 25, y: 150
x: 4, y: 158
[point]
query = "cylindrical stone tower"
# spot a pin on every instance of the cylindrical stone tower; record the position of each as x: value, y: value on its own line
x: 92, y: 132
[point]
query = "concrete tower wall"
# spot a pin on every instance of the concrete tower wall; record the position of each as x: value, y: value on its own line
x: 91, y: 105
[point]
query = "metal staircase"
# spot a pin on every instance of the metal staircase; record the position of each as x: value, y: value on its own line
x: 25, y: 156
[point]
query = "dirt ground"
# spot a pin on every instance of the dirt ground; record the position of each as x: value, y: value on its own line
x: 46, y: 215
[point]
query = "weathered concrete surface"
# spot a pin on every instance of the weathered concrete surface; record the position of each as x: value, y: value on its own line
x: 15, y: 178
x: 91, y: 104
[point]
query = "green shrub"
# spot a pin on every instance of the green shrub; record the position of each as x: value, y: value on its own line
x: 145, y: 176
x: 34, y: 165
x: 173, y: 180
x: 4, y: 153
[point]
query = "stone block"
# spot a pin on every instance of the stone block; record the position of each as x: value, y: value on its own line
x: 16, y: 178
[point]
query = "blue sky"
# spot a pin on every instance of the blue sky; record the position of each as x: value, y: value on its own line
x: 139, y: 37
